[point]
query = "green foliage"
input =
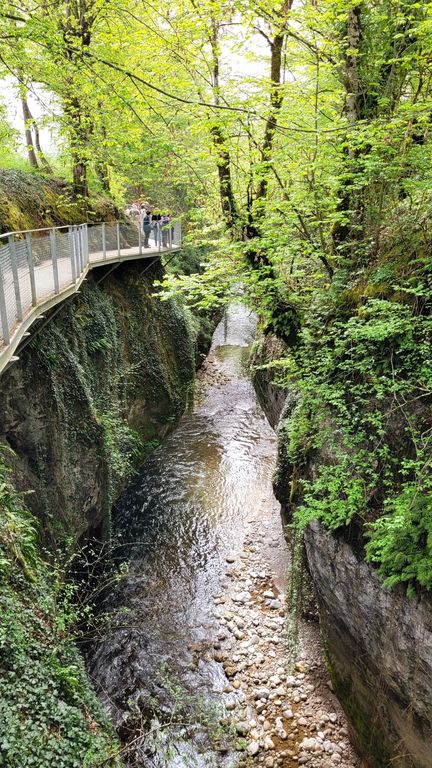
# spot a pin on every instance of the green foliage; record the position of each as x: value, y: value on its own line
x: 49, y: 713
x: 322, y: 163
x: 124, y: 446
x: 17, y: 528
x: 364, y: 383
x: 334, y: 498
x: 401, y: 541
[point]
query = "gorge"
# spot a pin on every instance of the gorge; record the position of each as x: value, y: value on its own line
x: 216, y: 384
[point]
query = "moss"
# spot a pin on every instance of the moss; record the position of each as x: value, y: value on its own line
x: 34, y: 200
x: 368, y: 732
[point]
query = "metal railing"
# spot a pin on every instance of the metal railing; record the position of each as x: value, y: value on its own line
x: 42, y: 263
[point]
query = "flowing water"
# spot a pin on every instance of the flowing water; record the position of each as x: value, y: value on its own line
x: 185, y: 512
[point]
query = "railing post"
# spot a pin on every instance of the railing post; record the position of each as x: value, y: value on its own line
x: 79, y: 256
x: 83, y: 246
x: 139, y: 237
x: 81, y: 249
x: 72, y: 253
x: 31, y: 268
x: 104, y: 240
x: 3, y: 312
x: 118, y: 237
x: 86, y: 244
x: 53, y: 248
x: 159, y: 235
x: 78, y: 251
x: 14, y: 266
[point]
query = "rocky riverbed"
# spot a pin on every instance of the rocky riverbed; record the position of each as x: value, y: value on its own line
x: 281, y: 719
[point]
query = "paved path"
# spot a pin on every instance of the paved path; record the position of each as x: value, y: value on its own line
x: 45, y: 289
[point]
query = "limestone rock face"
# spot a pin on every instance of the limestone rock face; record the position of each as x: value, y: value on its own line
x: 271, y: 397
x: 379, y: 645
x: 113, y: 364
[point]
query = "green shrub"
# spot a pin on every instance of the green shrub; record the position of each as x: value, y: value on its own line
x: 49, y: 714
x: 401, y: 541
x: 359, y: 443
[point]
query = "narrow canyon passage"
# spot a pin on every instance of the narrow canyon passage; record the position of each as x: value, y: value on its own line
x: 192, y: 670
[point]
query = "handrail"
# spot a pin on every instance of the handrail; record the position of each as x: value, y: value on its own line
x: 38, y: 272
x: 44, y: 229
x: 80, y: 224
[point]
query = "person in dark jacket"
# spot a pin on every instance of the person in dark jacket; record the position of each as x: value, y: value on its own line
x: 156, y: 223
x: 147, y: 225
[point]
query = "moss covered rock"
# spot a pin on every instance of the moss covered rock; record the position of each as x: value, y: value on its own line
x: 35, y: 200
x: 94, y: 390
x: 49, y: 713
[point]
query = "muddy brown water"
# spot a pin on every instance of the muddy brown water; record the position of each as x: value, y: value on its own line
x: 184, y: 513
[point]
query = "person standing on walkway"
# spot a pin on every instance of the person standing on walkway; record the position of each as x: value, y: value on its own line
x: 147, y: 225
x: 134, y: 211
x: 165, y: 220
x: 156, y: 222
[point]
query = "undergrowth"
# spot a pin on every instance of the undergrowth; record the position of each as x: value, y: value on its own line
x: 358, y: 446
x: 49, y: 714
x: 30, y: 200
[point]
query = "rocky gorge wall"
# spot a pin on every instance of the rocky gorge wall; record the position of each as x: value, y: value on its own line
x: 93, y: 391
x: 378, y: 642
x: 34, y: 200
x: 107, y: 376
x: 379, y: 646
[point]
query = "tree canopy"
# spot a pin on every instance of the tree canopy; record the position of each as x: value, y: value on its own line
x: 294, y: 138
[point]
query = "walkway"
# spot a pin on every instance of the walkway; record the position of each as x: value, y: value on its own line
x: 41, y: 268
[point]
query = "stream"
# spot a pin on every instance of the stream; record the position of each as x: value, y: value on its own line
x: 191, y: 669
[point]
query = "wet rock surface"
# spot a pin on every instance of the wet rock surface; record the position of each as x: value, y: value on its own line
x: 387, y: 691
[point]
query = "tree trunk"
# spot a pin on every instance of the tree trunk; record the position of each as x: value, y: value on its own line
x: 76, y: 28
x: 352, y: 83
x: 346, y: 236
x: 101, y: 166
x: 102, y: 173
x: 27, y: 130
x: 223, y: 160
x: 41, y: 154
x: 79, y: 179
x: 276, y: 99
x: 41, y: 157
x: 79, y: 145
x: 223, y: 163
